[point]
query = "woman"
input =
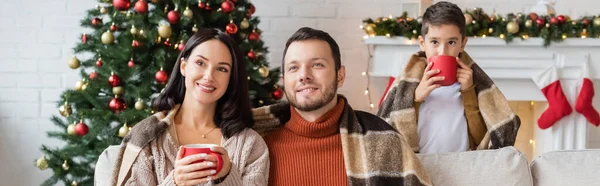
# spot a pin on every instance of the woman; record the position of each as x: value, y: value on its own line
x: 205, y: 102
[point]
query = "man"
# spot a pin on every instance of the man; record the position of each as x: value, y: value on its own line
x: 317, y: 138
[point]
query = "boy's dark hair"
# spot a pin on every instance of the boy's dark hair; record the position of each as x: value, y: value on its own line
x: 306, y: 33
x: 233, y: 113
x: 443, y: 13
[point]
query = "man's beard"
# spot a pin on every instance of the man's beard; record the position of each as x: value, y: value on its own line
x: 329, y: 93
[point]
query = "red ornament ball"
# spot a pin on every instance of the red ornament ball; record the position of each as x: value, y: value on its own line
x: 586, y: 22
x: 181, y: 47
x: 231, y: 28
x: 561, y: 18
x: 533, y: 16
x: 278, y: 94
x: 554, y: 20
x: 114, y: 80
x: 173, y: 17
x: 201, y: 5
x: 540, y: 21
x: 161, y: 76
x: 131, y: 64
x: 141, y: 6
x: 227, y: 6
x: 113, y: 28
x: 121, y: 5
x: 117, y: 105
x: 99, y: 63
x: 253, y: 36
x: 251, y: 55
x: 96, y: 22
x: 93, y: 75
x: 251, y: 10
x: 135, y: 43
x: 81, y: 129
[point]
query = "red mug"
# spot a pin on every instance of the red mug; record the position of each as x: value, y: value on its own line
x: 192, y: 149
x: 447, y: 66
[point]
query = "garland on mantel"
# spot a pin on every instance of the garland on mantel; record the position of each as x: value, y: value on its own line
x: 551, y: 28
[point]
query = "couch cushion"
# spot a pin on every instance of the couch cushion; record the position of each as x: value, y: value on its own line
x: 505, y: 166
x: 105, y: 165
x: 576, y: 167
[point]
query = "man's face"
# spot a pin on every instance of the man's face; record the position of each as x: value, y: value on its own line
x: 443, y: 39
x: 310, y: 79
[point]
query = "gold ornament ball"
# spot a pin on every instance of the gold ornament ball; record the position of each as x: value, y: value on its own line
x: 71, y: 129
x: 42, y: 163
x: 139, y: 105
x: 103, y: 10
x: 512, y: 27
x: 188, y: 13
x: 73, y: 63
x: 243, y: 35
x: 194, y: 29
x: 65, y: 165
x: 370, y: 28
x: 84, y: 86
x: 133, y: 30
x: 65, y: 110
x: 567, y: 18
x: 597, y: 22
x: 79, y: 85
x: 118, y: 90
x: 264, y: 71
x: 123, y: 131
x: 108, y: 38
x: 244, y: 24
x: 164, y: 31
x: 529, y: 23
x: 468, y: 18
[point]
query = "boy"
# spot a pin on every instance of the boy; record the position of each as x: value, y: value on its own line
x: 470, y: 114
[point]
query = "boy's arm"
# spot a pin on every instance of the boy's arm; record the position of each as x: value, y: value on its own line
x: 476, y: 126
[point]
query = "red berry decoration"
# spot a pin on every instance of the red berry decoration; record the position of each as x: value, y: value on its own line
x: 173, y: 17
x: 231, y: 28
x: 117, y: 105
x: 114, y: 80
x: 81, y: 129
x: 161, y: 76
x: 121, y: 5
x: 201, y: 5
x: 586, y: 22
x: 141, y: 6
x: 135, y: 43
x: 96, y: 22
x: 113, y: 27
x: 227, y: 6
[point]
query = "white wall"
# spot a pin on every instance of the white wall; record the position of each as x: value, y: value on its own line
x: 37, y: 37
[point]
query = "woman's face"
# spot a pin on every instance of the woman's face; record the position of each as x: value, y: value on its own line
x: 207, y: 71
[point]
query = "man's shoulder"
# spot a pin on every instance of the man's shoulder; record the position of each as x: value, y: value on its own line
x: 372, y: 122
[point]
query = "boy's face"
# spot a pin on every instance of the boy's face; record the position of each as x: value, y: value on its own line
x: 443, y: 39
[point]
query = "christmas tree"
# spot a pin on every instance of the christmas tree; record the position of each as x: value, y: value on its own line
x: 125, y: 62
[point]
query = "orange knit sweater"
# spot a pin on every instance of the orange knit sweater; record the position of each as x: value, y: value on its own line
x: 308, y: 153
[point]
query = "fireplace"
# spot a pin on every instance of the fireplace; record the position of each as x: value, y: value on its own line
x: 511, y: 66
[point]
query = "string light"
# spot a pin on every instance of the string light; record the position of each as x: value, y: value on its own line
x: 367, y: 93
x: 366, y: 37
x: 387, y: 35
x: 390, y: 16
x: 502, y: 36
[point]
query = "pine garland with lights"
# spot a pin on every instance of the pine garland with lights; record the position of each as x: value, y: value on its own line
x: 125, y: 62
x: 551, y: 28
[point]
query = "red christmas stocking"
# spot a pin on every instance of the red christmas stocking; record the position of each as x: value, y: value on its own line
x: 390, y: 81
x: 584, y: 99
x: 558, y: 106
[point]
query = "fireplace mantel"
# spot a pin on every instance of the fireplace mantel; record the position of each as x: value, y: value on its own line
x: 511, y: 66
